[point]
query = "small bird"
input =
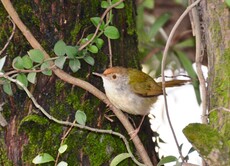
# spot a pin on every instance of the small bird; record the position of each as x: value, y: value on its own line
x: 132, y: 90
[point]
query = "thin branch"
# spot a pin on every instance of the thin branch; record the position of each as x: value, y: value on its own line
x: 10, y: 38
x: 219, y: 109
x: 27, y: 71
x: 62, y: 141
x: 199, y: 58
x: 99, y: 24
x: 69, y: 123
x: 78, y: 82
x: 189, y: 8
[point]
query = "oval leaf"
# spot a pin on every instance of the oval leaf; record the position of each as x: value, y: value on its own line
x: 74, y: 65
x: 96, y: 21
x: 80, y: 117
x: 31, y: 77
x: 93, y: 49
x: 104, y: 4
x: 36, y: 55
x: 62, y: 148
x: 18, y: 63
x: 120, y: 6
x: 45, y: 69
x: 59, y: 48
x: 99, y: 43
x: 7, y: 88
x: 60, y: 61
x: 62, y: 163
x: 43, y: 158
x: 27, y: 62
x: 2, y: 62
x: 71, y: 51
x: 167, y: 159
x: 22, y: 78
x: 119, y: 158
x: 88, y: 59
x: 111, y: 32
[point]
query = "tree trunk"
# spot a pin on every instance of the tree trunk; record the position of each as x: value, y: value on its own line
x: 28, y: 132
x: 212, y: 140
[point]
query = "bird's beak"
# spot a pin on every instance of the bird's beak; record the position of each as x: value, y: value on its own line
x: 98, y: 74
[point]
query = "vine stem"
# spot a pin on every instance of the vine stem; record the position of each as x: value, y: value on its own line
x: 189, y: 8
x: 67, y: 123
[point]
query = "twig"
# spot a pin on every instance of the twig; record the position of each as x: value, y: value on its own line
x: 163, y: 68
x: 99, y: 24
x: 69, y: 123
x: 78, y: 82
x: 27, y: 71
x: 220, y: 109
x: 199, y: 59
x: 62, y: 141
x: 10, y: 38
x: 108, y: 39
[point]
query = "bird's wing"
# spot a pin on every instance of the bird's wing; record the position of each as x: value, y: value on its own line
x: 144, y: 85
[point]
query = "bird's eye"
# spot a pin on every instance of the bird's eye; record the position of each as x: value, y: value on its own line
x: 114, y: 76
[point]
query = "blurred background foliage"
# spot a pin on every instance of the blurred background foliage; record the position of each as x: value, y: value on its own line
x: 155, y: 19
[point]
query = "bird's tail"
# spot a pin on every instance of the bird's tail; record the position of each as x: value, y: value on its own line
x: 173, y: 83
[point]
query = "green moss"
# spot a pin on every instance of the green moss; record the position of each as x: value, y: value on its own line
x: 203, y: 138
x: 40, y: 139
x: 59, y: 87
x: 74, y: 32
x: 4, y: 160
x: 131, y: 29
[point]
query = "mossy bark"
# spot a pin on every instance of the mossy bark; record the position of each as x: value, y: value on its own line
x: 29, y: 132
x: 212, y: 140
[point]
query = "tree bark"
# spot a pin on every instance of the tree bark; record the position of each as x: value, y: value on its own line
x: 211, y: 140
x: 28, y: 135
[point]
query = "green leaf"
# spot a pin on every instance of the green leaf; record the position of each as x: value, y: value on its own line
x: 149, y: 4
x: 45, y: 69
x: 18, y: 63
x: 99, y: 43
x: 62, y: 148
x: 60, y: 61
x: 93, y: 49
x: 71, y: 51
x: 119, y: 158
x: 74, y: 65
x: 111, y: 32
x: 36, y: 55
x: 90, y: 60
x: 167, y: 159
x: 191, y: 150
x: 22, y: 78
x: 186, y: 43
x: 27, y: 62
x: 159, y: 23
x: 104, y: 4
x: 31, y: 77
x: 187, y: 64
x: 43, y: 158
x: 120, y: 6
x: 59, y: 48
x: 228, y: 3
x: 2, y: 62
x: 7, y: 88
x: 62, y: 163
x: 96, y: 21
x: 89, y: 36
x: 80, y: 117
